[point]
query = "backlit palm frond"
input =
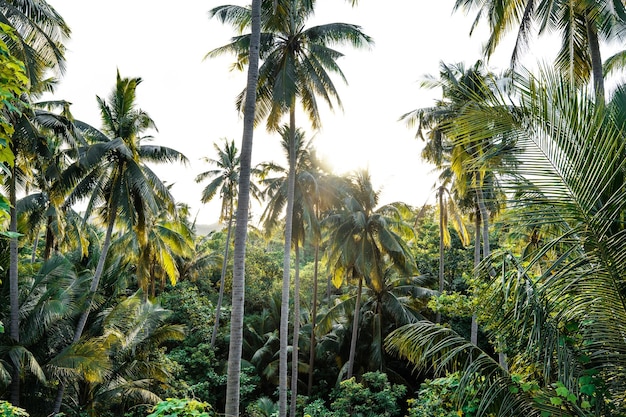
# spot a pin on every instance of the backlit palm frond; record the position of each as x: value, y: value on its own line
x: 88, y: 359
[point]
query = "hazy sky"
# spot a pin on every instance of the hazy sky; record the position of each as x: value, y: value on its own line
x: 192, y: 100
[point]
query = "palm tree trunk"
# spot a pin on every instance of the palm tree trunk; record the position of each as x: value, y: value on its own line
x: 313, y: 321
x: 485, y: 222
x: 241, y: 222
x: 296, y: 334
x: 95, y: 282
x: 596, y: 58
x: 49, y: 239
x: 14, y: 296
x: 33, y: 255
x: 220, y: 298
x: 477, y: 222
x: 284, y: 305
x: 355, y: 329
x: 486, y: 253
x: 441, y: 225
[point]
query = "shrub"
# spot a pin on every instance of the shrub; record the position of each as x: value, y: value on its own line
x: 374, y: 396
x: 9, y: 410
x: 183, y: 407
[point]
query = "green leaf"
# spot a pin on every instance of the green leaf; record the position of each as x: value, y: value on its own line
x: 588, y: 389
x: 556, y: 400
x: 562, y: 391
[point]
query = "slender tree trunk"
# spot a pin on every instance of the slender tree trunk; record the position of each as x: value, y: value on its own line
x: 296, y: 334
x: 596, y: 58
x: 49, y: 239
x: 441, y: 245
x: 355, y: 329
x: 14, y: 296
x: 241, y: 222
x: 220, y: 298
x: 477, y: 222
x: 95, y: 283
x: 33, y: 256
x: 313, y: 321
x: 284, y: 306
x: 486, y: 253
x: 485, y: 222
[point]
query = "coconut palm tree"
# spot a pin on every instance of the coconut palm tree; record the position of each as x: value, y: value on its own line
x: 41, y: 32
x: 362, y: 240
x: 398, y: 302
x: 225, y: 178
x: 297, y: 62
x: 131, y: 332
x: 573, y: 169
x: 582, y: 25
x: 447, y: 210
x: 303, y: 217
x: 241, y: 219
x: 114, y: 174
x: 464, y: 160
x: 33, y: 153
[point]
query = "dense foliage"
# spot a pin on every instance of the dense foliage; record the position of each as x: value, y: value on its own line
x: 506, y: 297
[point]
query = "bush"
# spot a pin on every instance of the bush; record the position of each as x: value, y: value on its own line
x: 175, y: 407
x: 439, y: 398
x: 9, y: 410
x: 374, y: 396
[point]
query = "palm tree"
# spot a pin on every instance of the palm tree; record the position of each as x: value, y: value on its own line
x: 582, y: 25
x: 447, y: 209
x: 113, y: 171
x: 573, y: 169
x: 362, y: 240
x: 31, y: 37
x: 130, y: 333
x: 303, y: 217
x: 225, y: 179
x: 169, y: 239
x: 41, y: 32
x: 33, y: 154
x: 398, y: 302
x: 241, y: 220
x: 296, y: 65
x: 465, y: 159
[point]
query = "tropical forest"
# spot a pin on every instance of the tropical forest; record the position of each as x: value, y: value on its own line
x: 502, y: 295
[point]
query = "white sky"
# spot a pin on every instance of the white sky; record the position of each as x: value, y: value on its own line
x: 192, y: 101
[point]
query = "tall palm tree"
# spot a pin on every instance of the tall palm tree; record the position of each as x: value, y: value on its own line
x: 296, y: 64
x: 574, y: 167
x: 463, y: 158
x: 447, y: 209
x: 303, y: 217
x: 582, y: 25
x: 33, y: 152
x: 31, y: 36
x: 363, y: 239
x: 252, y: 53
x: 113, y: 172
x: 225, y: 178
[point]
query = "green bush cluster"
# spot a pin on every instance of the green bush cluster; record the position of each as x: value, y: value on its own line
x: 9, y: 410
x: 374, y: 396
